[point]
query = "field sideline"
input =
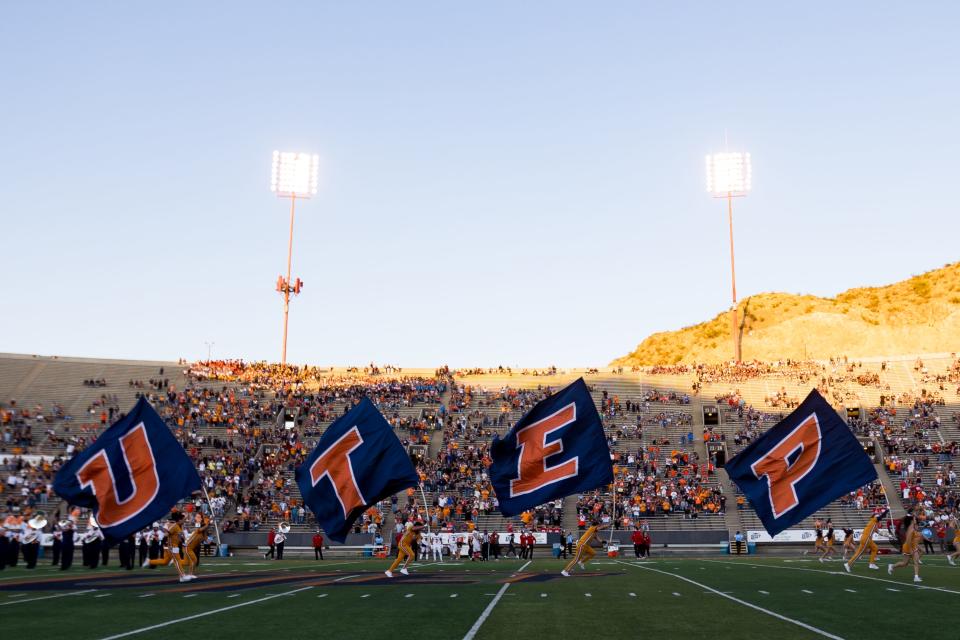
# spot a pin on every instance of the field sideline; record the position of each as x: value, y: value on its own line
x: 719, y: 596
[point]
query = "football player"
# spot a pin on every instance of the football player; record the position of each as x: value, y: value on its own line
x: 436, y: 546
x: 406, y: 548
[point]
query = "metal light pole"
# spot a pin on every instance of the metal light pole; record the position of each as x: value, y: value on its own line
x: 293, y: 175
x: 729, y: 176
x: 209, y: 348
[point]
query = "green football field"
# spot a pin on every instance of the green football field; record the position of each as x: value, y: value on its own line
x: 716, y: 597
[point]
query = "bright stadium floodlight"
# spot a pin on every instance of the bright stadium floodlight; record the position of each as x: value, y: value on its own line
x: 293, y: 175
x: 729, y: 175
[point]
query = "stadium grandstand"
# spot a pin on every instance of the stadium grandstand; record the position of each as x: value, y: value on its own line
x: 669, y: 429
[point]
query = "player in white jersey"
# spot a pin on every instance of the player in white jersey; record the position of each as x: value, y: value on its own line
x: 436, y: 547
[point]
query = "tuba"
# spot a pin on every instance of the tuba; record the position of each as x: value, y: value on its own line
x: 284, y: 528
x: 38, y: 521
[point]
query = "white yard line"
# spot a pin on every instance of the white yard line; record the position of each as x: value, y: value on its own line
x: 59, y: 595
x: 202, y: 615
x: 50, y: 574
x: 773, y: 614
x: 837, y: 573
x: 486, y: 612
x: 348, y: 577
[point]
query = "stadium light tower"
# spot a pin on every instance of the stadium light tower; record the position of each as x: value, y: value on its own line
x: 728, y: 176
x: 294, y: 175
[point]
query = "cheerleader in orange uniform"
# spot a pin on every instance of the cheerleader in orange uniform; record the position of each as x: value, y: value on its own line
x: 406, y: 548
x: 910, y: 546
x: 171, y: 552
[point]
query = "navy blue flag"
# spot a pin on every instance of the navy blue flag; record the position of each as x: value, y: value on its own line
x: 554, y: 451
x: 131, y: 476
x: 358, y: 462
x: 806, y: 461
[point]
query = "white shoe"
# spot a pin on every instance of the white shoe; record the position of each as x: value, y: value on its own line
x: 917, y: 579
x: 846, y: 567
x: 950, y: 560
x: 873, y: 566
x: 184, y: 579
x: 404, y: 572
x: 146, y: 563
x: 890, y: 569
x: 565, y: 574
x: 388, y: 573
x: 822, y: 560
x: 582, y: 566
x: 191, y: 577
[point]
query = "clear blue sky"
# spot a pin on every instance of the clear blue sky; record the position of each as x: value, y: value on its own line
x: 502, y: 182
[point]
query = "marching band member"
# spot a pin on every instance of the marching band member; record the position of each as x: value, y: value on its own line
x: 140, y: 542
x: 155, y: 541
x: 104, y: 549
x: 31, y: 539
x: 4, y: 544
x: 405, y: 548
x: 171, y: 552
x: 13, y: 527
x: 57, y: 544
x: 67, y: 529
x: 91, y: 544
x: 126, y: 549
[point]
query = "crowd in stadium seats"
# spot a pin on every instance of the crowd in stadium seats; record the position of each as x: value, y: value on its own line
x: 226, y: 417
x: 741, y: 371
x: 653, y: 482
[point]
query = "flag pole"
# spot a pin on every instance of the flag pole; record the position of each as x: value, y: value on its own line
x: 213, y: 516
x: 427, y: 511
x: 613, y: 524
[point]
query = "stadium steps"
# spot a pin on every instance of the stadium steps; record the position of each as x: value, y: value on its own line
x: 731, y: 517
x: 29, y: 379
x: 569, y: 521
x: 891, y: 491
x: 436, y: 437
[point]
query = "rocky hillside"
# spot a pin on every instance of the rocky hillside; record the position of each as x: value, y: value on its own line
x: 918, y: 315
